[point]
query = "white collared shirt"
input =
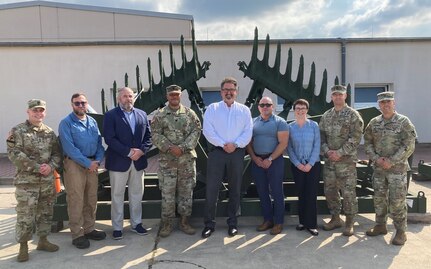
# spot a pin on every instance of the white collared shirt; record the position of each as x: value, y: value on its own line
x: 223, y: 124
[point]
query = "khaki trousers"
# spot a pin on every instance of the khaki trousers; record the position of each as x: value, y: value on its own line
x: 135, y: 181
x: 81, y: 189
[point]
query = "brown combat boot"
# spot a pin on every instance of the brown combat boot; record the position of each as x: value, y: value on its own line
x: 185, y: 226
x: 166, y: 227
x: 335, y: 222
x: 348, y: 229
x: 377, y: 230
x: 23, y: 252
x: 400, y: 238
x: 45, y: 245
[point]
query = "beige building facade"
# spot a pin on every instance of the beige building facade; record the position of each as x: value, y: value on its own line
x: 42, y: 21
x: 55, y: 66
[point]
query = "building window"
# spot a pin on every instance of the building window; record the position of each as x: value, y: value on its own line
x: 211, y: 95
x: 366, y: 95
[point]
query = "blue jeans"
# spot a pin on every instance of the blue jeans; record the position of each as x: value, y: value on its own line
x: 269, y: 182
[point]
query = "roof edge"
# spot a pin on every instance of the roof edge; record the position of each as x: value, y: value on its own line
x: 212, y: 42
x: 96, y: 8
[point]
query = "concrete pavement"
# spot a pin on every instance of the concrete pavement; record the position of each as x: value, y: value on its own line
x: 249, y: 249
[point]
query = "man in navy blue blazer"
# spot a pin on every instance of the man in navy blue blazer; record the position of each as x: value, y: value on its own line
x: 128, y: 136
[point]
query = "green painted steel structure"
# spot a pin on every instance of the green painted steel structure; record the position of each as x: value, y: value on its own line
x: 264, y: 77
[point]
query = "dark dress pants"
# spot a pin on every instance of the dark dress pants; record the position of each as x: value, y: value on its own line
x: 306, y: 184
x: 218, y: 163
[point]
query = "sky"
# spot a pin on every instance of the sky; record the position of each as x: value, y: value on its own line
x: 286, y: 19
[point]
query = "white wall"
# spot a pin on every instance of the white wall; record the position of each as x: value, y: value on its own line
x: 54, y: 73
x: 407, y: 65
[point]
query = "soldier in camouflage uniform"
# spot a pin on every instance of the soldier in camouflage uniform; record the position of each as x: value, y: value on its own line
x: 340, y: 130
x: 33, y: 148
x: 389, y: 141
x: 176, y: 131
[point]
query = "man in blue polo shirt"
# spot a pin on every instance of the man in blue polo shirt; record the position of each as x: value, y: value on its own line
x: 83, y: 152
x: 270, y: 136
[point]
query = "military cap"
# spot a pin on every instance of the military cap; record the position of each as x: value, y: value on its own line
x: 35, y: 103
x: 383, y: 96
x: 338, y: 89
x: 173, y: 88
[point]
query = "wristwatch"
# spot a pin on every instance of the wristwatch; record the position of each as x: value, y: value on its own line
x: 270, y: 158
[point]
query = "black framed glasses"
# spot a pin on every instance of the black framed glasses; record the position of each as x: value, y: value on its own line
x: 300, y: 108
x: 265, y: 105
x: 79, y: 103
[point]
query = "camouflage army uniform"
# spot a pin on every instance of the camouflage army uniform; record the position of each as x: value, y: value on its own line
x: 177, y: 175
x: 28, y: 147
x: 393, y: 139
x: 341, y: 131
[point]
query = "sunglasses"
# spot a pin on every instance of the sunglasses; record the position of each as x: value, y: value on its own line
x: 79, y: 103
x: 265, y: 105
x: 174, y: 94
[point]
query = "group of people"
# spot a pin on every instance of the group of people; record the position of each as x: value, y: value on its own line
x: 232, y: 133
x: 389, y: 141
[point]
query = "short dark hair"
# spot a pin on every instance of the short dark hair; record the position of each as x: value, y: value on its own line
x: 229, y: 80
x: 301, y: 102
x: 75, y: 95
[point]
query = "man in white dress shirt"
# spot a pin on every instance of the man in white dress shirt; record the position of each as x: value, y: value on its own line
x: 228, y: 127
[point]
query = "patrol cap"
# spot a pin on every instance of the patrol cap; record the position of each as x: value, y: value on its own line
x: 173, y: 88
x: 35, y: 103
x: 338, y: 89
x: 383, y: 96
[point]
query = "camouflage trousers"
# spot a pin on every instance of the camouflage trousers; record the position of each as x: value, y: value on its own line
x: 390, y: 190
x: 34, y: 206
x: 340, y: 177
x: 177, y: 178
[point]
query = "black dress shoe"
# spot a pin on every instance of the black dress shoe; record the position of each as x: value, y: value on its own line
x: 207, y: 231
x: 300, y: 227
x: 95, y: 235
x: 313, y: 232
x: 81, y: 242
x: 232, y: 231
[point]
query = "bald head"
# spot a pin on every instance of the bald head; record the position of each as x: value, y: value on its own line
x: 265, y: 107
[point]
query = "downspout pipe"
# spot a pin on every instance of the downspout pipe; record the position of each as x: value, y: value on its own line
x: 343, y: 62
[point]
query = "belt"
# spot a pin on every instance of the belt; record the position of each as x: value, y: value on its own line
x: 91, y: 157
x: 263, y: 156
x: 221, y: 148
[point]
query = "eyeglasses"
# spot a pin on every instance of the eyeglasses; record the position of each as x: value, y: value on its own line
x: 300, y: 108
x: 79, y: 103
x: 265, y: 105
x: 229, y: 90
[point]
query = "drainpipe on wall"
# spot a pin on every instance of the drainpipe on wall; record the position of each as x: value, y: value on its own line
x: 343, y: 62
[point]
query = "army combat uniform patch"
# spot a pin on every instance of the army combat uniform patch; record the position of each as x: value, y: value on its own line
x: 10, y: 140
